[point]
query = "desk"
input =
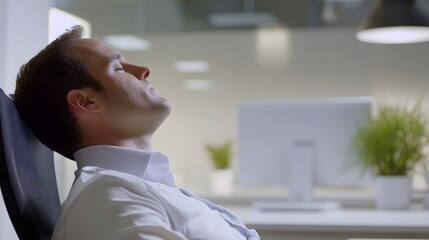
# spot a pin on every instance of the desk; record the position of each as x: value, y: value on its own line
x: 336, y: 224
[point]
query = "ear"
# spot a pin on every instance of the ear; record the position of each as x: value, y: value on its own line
x: 82, y: 100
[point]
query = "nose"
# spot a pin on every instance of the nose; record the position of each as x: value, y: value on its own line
x: 139, y: 72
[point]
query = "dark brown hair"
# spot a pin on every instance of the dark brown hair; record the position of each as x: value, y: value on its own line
x: 41, y: 93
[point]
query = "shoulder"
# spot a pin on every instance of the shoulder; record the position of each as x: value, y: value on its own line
x: 106, y: 201
x: 95, y: 184
x: 109, y: 190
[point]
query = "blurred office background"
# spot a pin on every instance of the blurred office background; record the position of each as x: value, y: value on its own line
x: 238, y: 50
x: 249, y: 50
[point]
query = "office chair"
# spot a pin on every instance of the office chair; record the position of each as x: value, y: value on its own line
x: 27, y: 177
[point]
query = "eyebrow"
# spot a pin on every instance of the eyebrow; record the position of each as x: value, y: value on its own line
x: 116, y: 56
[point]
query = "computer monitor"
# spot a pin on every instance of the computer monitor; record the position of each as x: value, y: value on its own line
x: 301, y: 143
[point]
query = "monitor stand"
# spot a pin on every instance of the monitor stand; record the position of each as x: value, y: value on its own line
x: 301, y: 182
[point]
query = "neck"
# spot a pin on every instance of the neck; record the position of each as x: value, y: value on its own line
x: 141, y: 142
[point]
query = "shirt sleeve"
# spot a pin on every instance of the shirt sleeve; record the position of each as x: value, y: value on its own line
x: 111, y: 208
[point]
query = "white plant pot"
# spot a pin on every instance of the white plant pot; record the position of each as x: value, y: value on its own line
x: 393, y: 192
x: 222, y: 181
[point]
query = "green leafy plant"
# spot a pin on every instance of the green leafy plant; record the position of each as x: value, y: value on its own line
x: 393, y: 142
x: 220, y: 155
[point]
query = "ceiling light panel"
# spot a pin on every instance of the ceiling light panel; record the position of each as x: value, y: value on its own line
x: 192, y: 66
x: 127, y: 42
x: 198, y: 84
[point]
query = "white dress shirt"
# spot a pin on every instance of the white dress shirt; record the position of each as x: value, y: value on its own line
x: 122, y: 193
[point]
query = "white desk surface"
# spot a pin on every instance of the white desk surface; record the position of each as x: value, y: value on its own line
x: 359, y: 218
x: 414, y: 220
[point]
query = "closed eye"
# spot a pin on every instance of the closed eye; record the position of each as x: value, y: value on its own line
x: 119, y: 69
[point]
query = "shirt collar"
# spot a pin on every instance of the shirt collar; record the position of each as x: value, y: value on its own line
x: 151, y: 166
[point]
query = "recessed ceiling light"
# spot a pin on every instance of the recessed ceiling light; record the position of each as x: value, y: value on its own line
x: 127, y: 42
x: 394, y: 35
x: 198, y: 84
x: 192, y: 66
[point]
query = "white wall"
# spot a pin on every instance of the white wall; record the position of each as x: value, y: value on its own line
x: 25, y: 32
x: 24, y: 28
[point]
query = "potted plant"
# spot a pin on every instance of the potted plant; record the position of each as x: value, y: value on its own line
x: 222, y: 176
x: 391, y: 145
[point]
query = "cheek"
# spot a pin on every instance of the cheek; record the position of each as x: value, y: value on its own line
x: 128, y: 93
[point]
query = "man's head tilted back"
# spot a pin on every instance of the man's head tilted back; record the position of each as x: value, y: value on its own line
x: 41, y: 87
x: 80, y: 92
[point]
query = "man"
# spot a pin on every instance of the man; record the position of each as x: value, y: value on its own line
x: 82, y: 99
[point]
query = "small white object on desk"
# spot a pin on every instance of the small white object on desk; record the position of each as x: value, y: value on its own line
x: 297, y: 206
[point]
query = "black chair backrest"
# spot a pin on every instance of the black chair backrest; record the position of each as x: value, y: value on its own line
x: 27, y: 176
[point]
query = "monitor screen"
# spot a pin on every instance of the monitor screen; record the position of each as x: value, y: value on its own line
x: 280, y: 140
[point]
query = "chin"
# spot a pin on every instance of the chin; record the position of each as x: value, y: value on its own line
x: 167, y: 109
x: 164, y: 107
